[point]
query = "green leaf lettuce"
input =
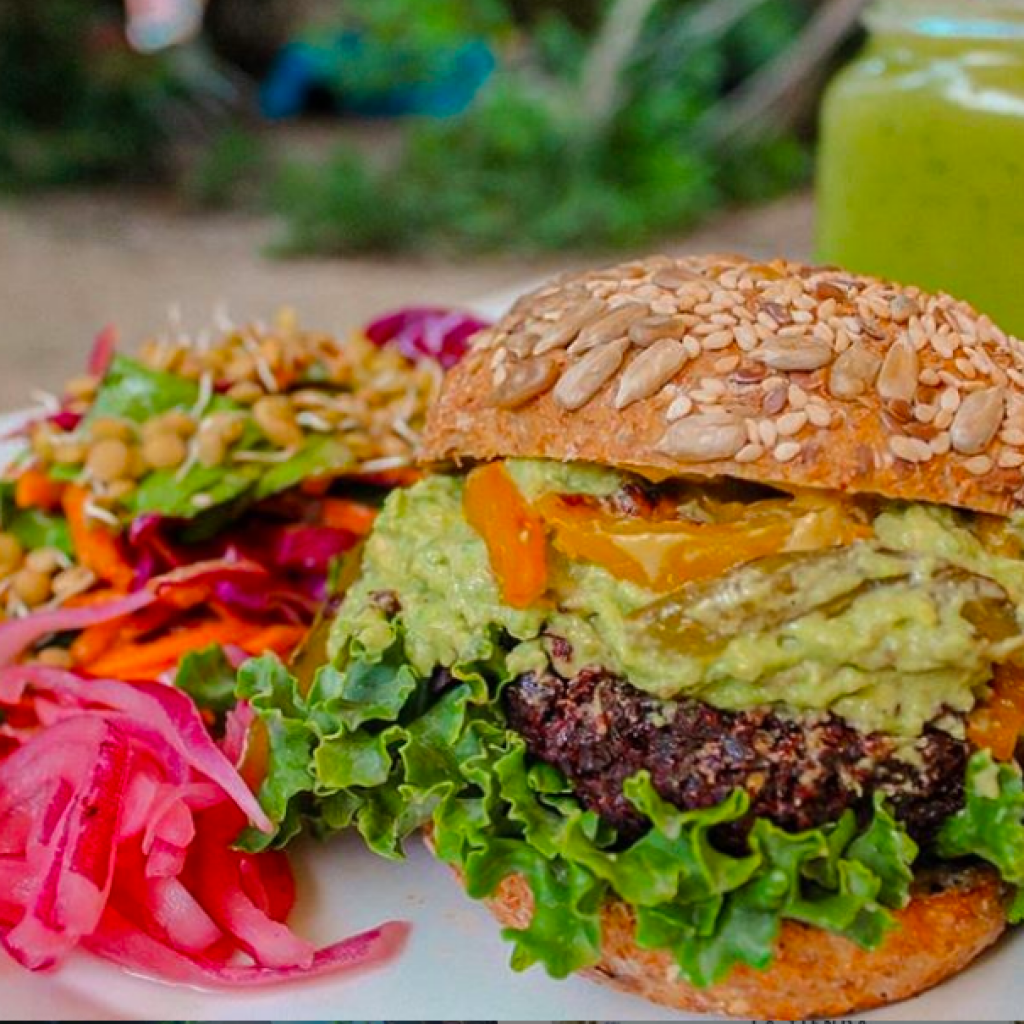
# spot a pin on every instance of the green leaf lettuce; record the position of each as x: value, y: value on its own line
x: 380, y: 748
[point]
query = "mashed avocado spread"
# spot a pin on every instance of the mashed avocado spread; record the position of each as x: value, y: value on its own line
x: 902, y: 651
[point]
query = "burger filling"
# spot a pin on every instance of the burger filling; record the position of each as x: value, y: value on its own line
x: 725, y: 705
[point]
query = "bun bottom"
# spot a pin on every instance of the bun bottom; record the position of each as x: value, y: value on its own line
x: 953, y: 917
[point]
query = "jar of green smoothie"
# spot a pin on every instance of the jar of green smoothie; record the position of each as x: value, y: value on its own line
x: 921, y: 166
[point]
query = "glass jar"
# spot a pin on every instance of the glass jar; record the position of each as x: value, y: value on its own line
x: 921, y: 165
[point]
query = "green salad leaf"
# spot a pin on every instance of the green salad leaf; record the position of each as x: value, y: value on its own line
x: 132, y: 391
x: 991, y: 824
x: 33, y: 527
x: 380, y: 748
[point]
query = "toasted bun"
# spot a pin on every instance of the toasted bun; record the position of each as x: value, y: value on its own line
x: 950, y: 921
x: 790, y: 375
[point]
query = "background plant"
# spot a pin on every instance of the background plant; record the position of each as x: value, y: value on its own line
x: 598, y: 137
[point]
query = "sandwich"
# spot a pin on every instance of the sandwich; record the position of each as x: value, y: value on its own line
x: 697, y: 654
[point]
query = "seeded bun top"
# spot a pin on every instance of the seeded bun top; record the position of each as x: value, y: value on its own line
x: 781, y: 373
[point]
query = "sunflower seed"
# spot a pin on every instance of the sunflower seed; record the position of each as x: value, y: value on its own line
x: 898, y: 376
x: 653, y: 328
x: 793, y: 354
x: 521, y: 343
x: 649, y: 371
x: 674, y: 278
x: 609, y: 327
x: 565, y: 330
x: 853, y: 372
x: 582, y: 380
x: 977, y: 420
x: 703, y: 438
x: 524, y: 381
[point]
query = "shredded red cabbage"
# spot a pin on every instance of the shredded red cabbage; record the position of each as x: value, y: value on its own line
x: 427, y: 332
x: 117, y: 816
x: 102, y: 353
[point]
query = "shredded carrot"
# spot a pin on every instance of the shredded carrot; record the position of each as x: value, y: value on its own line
x: 280, y: 639
x: 34, y: 489
x: 92, y: 597
x: 316, y: 486
x: 95, y: 546
x: 148, y: 658
x: 343, y: 514
x: 94, y: 641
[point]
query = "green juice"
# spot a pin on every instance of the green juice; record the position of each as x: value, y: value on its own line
x: 921, y: 170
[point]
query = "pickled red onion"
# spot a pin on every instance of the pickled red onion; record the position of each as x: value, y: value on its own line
x: 117, y: 815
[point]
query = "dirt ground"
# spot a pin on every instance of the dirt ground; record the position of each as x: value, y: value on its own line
x: 71, y: 264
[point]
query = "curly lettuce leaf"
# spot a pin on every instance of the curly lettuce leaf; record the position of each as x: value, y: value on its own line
x: 376, y: 747
x: 991, y: 824
x: 208, y: 678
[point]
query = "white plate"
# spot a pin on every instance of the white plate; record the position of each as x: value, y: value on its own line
x: 455, y: 966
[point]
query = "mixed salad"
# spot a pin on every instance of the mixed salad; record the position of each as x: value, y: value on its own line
x: 169, y: 516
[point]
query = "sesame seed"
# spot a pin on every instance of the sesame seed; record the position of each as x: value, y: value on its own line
x: 726, y: 364
x: 681, y: 406
x: 940, y: 444
x: 790, y: 424
x: 797, y: 396
x: 768, y: 433
x: 910, y: 449
x: 718, y: 340
x: 979, y: 465
x: 749, y: 453
x: 692, y: 347
x: 966, y: 367
x: 819, y: 415
x: 787, y: 451
x: 746, y: 337
x: 1011, y: 459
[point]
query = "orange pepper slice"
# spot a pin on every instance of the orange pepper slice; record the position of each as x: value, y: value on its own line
x: 662, y: 555
x: 999, y: 723
x: 513, y: 532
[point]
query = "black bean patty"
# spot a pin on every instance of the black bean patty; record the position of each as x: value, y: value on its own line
x: 799, y: 772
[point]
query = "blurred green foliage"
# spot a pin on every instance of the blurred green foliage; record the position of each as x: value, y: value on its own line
x: 231, y: 171
x: 76, y: 103
x: 528, y: 167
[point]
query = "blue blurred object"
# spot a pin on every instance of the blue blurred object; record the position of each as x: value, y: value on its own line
x: 445, y: 82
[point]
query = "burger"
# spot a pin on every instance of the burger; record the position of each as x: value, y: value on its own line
x: 697, y: 652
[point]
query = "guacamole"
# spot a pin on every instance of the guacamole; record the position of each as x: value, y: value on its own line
x: 900, y: 653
